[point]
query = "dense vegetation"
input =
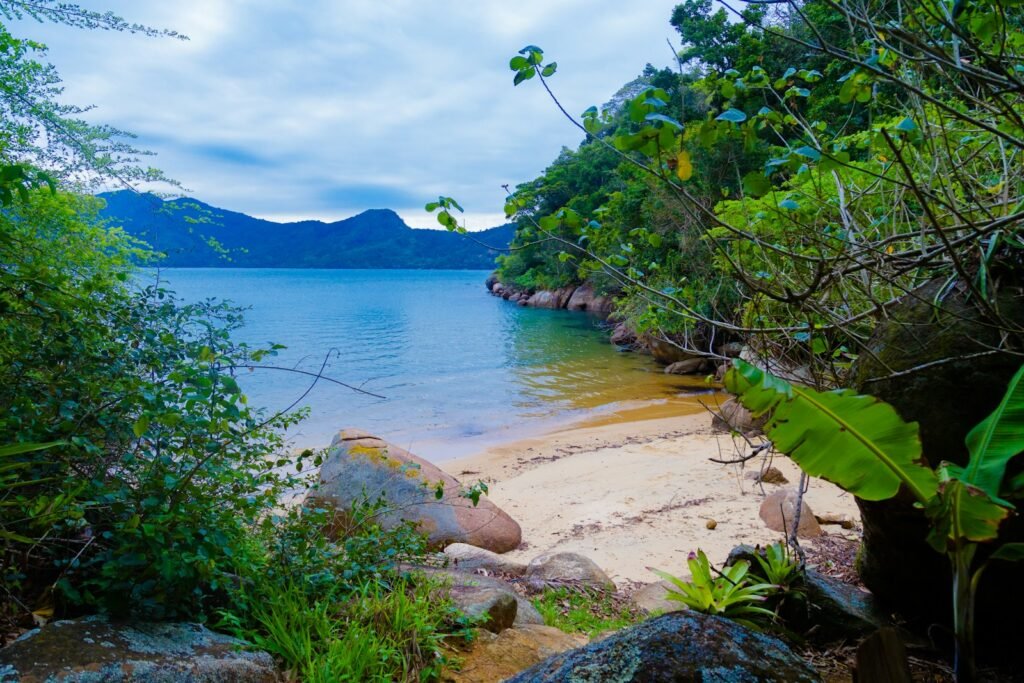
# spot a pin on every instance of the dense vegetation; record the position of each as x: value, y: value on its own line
x: 191, y: 233
x: 135, y: 479
x: 808, y: 173
x: 799, y: 171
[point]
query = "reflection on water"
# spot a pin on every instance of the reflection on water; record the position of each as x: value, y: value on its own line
x: 457, y: 366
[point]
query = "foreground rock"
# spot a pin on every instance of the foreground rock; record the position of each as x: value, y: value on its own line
x: 492, y: 608
x: 493, y: 658
x: 91, y: 649
x: 525, y: 613
x: 778, y: 511
x: 469, y: 558
x: 838, y: 611
x: 359, y: 462
x: 683, y: 646
x: 553, y: 568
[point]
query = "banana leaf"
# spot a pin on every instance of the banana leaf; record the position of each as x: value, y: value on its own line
x: 857, y: 442
x: 995, y: 440
x: 963, y: 513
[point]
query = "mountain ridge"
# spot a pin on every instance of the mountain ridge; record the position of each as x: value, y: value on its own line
x: 376, y: 238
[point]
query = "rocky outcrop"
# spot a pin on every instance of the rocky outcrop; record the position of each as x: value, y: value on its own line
x: 778, y: 511
x: 493, y: 658
x: 666, y: 352
x: 558, y: 298
x: 586, y: 298
x: 682, y: 646
x: 468, y: 558
x: 552, y: 568
x: 92, y: 649
x: 359, y: 464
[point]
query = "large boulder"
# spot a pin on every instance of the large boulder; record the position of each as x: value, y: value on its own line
x: 360, y: 464
x: 778, y: 511
x: 493, y: 658
x: 552, y: 568
x: 558, y: 298
x: 491, y: 281
x: 931, y: 360
x: 585, y: 298
x: 92, y: 649
x: 623, y: 335
x: 676, y: 648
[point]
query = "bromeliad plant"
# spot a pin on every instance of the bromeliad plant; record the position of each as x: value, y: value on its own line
x: 730, y: 594
x: 861, y: 444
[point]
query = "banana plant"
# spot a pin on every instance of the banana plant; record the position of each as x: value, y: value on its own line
x: 862, y: 445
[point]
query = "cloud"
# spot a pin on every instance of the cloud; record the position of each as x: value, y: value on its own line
x: 325, y: 108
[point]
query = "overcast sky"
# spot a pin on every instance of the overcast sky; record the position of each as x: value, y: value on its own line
x: 322, y: 109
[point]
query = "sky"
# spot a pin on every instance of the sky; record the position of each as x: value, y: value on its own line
x: 323, y: 109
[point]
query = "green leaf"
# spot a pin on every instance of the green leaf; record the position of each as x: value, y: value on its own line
x: 549, y: 70
x: 19, y: 448
x: 733, y: 115
x: 141, y: 425
x: 857, y: 442
x: 524, y: 75
x: 518, y: 62
x: 664, y: 119
x: 756, y: 184
x: 962, y: 512
x: 907, y: 125
x: 655, y: 240
x: 1011, y: 552
x: 997, y: 439
x: 808, y: 152
x: 789, y: 204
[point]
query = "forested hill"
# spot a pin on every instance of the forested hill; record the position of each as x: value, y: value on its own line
x: 192, y: 233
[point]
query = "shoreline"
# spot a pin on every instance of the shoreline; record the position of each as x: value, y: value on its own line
x: 635, y: 493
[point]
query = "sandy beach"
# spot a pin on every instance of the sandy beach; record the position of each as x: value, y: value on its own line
x: 637, y: 491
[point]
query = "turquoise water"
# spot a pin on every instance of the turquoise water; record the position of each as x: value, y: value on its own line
x: 457, y: 368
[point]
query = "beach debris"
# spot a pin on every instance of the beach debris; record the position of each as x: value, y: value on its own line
x: 711, y: 524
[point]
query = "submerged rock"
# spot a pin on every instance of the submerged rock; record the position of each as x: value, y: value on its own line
x: 91, y: 649
x: 360, y: 464
x: 690, y: 366
x: 677, y: 647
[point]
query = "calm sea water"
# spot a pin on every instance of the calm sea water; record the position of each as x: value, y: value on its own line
x: 457, y: 368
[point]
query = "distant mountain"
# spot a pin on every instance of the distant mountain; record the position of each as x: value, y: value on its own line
x: 378, y: 238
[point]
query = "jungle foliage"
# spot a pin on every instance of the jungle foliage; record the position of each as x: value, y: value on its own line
x: 135, y: 479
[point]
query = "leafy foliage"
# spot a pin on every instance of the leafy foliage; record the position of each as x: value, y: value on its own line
x: 587, y: 612
x: 730, y: 594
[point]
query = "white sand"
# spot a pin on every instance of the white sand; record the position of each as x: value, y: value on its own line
x: 636, y: 494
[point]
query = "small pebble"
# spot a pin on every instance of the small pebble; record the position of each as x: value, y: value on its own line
x: 711, y: 524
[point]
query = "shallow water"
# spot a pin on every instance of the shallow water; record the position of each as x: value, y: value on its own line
x: 458, y: 368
